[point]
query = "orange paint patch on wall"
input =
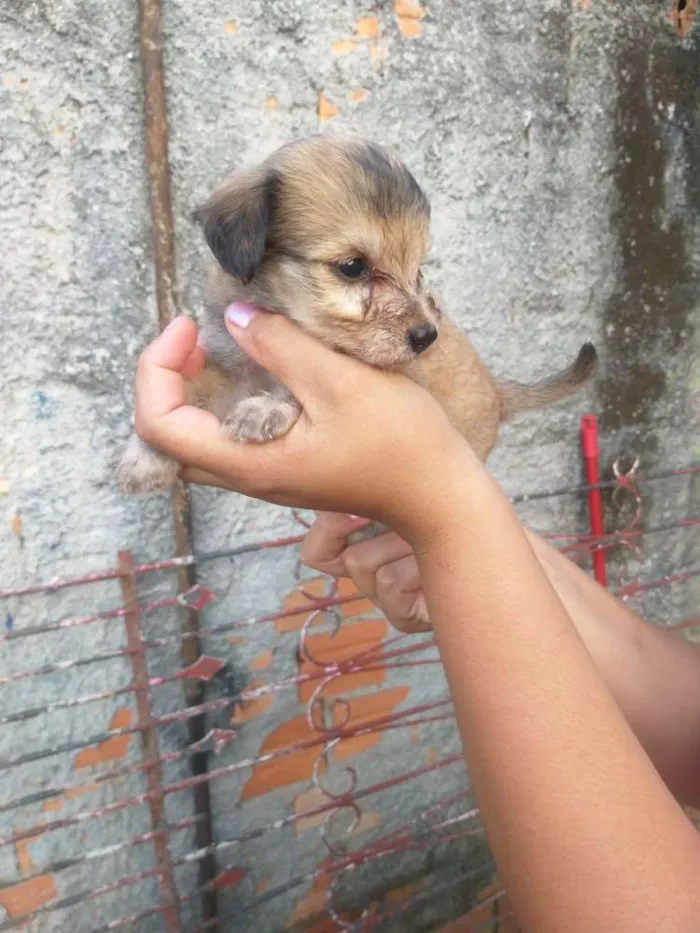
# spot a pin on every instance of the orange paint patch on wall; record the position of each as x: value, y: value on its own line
x: 316, y: 587
x: 313, y: 903
x: 360, y: 606
x: 272, y: 103
x: 25, y: 862
x: 409, y: 14
x: 358, y: 94
x: 111, y: 749
x: 287, y: 769
x: 367, y: 27
x: 310, y: 800
x: 16, y: 525
x: 326, y: 109
x: 26, y: 896
x: 231, y: 26
x: 343, y: 46
x: 73, y: 793
x: 363, y: 710
x: 261, y: 661
x: 398, y: 896
x: 354, y: 639
x: 313, y: 906
x: 251, y: 705
x: 53, y: 805
x: 262, y: 886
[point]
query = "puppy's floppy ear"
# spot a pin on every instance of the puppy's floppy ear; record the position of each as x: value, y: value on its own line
x: 235, y: 220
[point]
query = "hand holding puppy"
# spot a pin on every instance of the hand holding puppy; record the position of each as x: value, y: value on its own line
x: 367, y: 442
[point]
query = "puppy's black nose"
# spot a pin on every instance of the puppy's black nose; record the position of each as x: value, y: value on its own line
x: 421, y: 337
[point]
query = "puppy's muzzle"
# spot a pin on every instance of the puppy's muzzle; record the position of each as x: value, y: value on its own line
x: 421, y: 337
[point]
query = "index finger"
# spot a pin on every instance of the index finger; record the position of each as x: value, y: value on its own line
x: 326, y: 542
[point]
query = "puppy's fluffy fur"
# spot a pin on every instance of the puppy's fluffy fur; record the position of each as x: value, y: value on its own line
x: 332, y: 232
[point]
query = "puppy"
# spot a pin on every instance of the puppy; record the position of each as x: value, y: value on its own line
x: 332, y: 232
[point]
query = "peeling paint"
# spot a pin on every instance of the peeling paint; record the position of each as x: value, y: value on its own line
x: 344, y: 46
x: 326, y: 109
x: 22, y: 898
x: 362, y: 710
x: 112, y: 749
x: 252, y: 706
x: 409, y: 14
x: 367, y: 27
x: 353, y: 640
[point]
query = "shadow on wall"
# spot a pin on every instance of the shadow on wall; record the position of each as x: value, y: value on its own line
x: 657, y: 137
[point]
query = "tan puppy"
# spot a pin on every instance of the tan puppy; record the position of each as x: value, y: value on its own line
x: 332, y: 232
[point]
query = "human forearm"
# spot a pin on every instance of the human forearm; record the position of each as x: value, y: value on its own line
x: 571, y: 803
x: 652, y: 674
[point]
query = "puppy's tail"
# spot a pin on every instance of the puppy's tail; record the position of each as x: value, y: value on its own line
x: 516, y: 397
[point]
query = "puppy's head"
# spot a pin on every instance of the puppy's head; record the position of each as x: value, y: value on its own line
x: 331, y: 232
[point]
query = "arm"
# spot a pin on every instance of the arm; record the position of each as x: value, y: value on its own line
x: 652, y: 674
x: 585, y: 834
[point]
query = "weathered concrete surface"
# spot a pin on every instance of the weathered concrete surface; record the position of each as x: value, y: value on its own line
x: 559, y: 145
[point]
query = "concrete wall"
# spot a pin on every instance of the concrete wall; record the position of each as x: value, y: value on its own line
x: 559, y: 143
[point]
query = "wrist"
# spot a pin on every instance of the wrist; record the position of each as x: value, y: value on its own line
x: 444, y: 498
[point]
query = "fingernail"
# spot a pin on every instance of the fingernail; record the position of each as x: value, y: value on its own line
x: 240, y: 314
x: 172, y: 324
x: 355, y: 518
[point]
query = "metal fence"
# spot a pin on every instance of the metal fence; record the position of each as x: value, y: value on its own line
x: 178, y: 712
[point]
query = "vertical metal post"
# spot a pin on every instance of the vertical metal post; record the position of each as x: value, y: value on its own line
x: 156, y: 121
x: 149, y: 744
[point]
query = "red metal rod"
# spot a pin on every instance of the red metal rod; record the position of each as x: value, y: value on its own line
x: 589, y: 439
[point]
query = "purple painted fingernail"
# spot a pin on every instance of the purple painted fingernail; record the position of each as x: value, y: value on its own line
x: 240, y: 314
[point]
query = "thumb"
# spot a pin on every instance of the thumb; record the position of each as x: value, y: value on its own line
x: 301, y: 362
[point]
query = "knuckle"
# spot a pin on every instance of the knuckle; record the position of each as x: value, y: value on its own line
x: 309, y: 556
x: 388, y: 576
x: 354, y: 562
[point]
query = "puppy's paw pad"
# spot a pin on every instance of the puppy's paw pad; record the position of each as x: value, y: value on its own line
x: 261, y: 418
x: 143, y: 471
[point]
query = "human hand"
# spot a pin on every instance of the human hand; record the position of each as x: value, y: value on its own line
x: 367, y: 442
x: 384, y: 569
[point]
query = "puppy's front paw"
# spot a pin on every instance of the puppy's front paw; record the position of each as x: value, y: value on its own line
x: 143, y: 470
x: 261, y: 418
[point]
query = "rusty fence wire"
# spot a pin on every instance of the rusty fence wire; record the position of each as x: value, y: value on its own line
x: 307, y: 825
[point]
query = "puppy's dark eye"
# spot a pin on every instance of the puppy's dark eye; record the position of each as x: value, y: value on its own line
x: 353, y: 268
